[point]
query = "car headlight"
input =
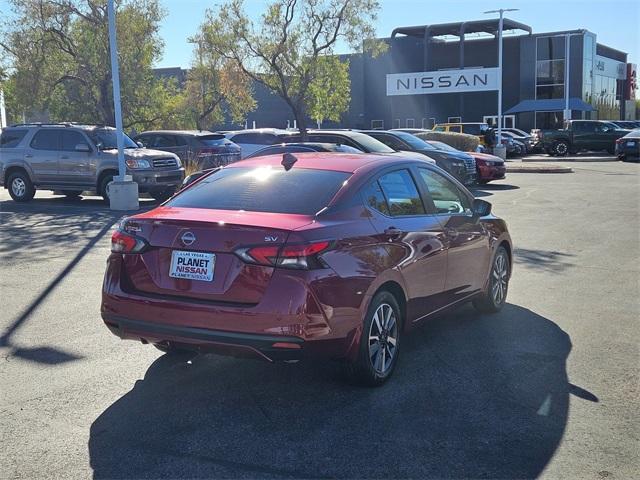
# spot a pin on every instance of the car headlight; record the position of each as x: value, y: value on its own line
x: 457, y: 164
x: 178, y: 162
x: 137, y: 163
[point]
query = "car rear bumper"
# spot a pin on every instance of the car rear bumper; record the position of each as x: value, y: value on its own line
x: 288, y: 323
x: 490, y: 172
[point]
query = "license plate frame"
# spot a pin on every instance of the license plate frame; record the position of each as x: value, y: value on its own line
x: 189, y: 265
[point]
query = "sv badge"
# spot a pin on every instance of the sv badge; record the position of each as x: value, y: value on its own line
x: 270, y: 239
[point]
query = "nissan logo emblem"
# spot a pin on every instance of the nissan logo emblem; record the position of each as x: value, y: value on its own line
x: 188, y: 238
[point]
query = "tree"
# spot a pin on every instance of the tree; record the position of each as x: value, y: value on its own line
x: 215, y: 87
x: 59, y: 54
x: 287, y: 50
x: 330, y: 91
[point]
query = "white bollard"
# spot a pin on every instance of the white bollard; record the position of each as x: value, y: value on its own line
x: 123, y: 195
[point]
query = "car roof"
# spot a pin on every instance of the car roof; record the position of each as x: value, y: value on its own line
x: 193, y: 133
x: 275, y: 131
x: 340, y: 162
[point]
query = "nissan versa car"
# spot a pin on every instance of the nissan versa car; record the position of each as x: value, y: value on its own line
x: 286, y: 257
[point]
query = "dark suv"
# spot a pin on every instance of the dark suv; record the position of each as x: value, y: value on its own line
x: 75, y: 158
x: 201, y: 147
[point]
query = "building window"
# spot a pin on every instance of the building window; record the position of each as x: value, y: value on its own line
x: 550, y: 91
x: 550, y: 48
x: 397, y: 123
x: 377, y: 124
x: 454, y: 119
x: 549, y: 120
x: 411, y: 123
x: 550, y: 67
x: 428, y: 123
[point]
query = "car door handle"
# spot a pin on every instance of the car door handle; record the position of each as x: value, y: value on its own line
x: 393, y: 232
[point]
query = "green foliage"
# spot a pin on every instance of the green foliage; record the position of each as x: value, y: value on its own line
x: 287, y: 49
x: 59, y: 54
x: 461, y: 141
x: 330, y: 92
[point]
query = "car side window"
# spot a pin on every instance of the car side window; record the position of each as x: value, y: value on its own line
x: 445, y: 195
x: 46, y: 140
x: 164, y: 141
x: 374, y: 198
x: 70, y: 139
x: 401, y: 193
x: 390, y: 141
x: 11, y: 138
x: 179, y: 141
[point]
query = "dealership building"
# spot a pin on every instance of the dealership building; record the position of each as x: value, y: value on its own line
x: 448, y: 73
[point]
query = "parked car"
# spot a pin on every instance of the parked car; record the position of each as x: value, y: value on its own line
x: 458, y: 164
x: 251, y: 141
x: 201, y: 147
x: 352, y: 138
x: 74, y: 158
x: 578, y: 135
x: 524, y: 143
x: 479, y: 129
x: 303, y: 147
x: 488, y: 167
x: 626, y: 124
x: 314, y: 255
x: 413, y: 131
x: 628, y: 147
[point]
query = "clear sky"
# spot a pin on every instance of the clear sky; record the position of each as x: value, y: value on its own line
x: 615, y: 22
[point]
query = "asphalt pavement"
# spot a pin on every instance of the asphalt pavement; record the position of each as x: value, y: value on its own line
x: 547, y: 388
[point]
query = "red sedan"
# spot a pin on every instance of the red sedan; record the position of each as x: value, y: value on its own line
x: 488, y: 167
x: 316, y: 255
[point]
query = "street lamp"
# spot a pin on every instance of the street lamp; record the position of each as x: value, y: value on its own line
x: 501, y: 12
x: 123, y: 191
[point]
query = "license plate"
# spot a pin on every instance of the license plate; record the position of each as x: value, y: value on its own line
x: 192, y: 265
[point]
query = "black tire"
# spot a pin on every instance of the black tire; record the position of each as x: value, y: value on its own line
x: 561, y: 148
x: 20, y: 187
x: 495, y: 297
x: 369, y: 368
x: 102, y: 186
x: 71, y: 194
x: 483, y: 182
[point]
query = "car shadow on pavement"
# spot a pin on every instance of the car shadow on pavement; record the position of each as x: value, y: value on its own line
x: 473, y: 397
x: 487, y: 189
x: 543, y: 260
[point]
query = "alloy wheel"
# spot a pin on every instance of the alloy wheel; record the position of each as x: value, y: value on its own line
x: 500, y: 279
x: 18, y: 187
x: 383, y: 338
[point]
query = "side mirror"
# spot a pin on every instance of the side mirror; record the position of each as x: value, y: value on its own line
x: 140, y: 144
x: 82, y: 147
x: 481, y: 208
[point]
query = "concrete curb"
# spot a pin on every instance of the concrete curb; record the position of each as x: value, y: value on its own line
x: 545, y: 158
x: 537, y: 168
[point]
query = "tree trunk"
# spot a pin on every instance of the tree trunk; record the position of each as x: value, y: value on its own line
x: 302, y: 126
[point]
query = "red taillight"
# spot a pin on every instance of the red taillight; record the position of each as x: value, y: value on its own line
x: 122, y: 242
x: 304, y: 256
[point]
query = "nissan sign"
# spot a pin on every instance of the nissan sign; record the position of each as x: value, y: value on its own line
x: 442, y: 81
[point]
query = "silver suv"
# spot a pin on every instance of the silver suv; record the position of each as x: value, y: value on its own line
x: 73, y: 158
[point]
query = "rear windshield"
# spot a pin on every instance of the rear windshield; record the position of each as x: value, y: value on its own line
x: 11, y: 138
x: 212, y: 140
x: 263, y: 189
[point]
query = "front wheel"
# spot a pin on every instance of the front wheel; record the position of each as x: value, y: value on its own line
x: 102, y: 186
x: 561, y: 148
x: 379, y: 342
x: 20, y: 187
x: 495, y: 297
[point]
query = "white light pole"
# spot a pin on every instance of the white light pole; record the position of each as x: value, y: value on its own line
x: 501, y: 12
x: 123, y: 191
x: 3, y: 113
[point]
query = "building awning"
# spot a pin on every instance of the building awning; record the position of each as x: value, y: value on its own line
x: 549, y: 105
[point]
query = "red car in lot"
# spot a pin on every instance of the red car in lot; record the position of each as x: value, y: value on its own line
x: 488, y: 167
x: 315, y: 255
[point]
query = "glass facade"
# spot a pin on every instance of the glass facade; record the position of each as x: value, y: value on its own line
x: 550, y: 64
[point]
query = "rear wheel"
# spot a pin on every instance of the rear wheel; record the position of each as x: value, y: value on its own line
x: 561, y: 148
x: 171, y: 349
x: 495, y: 297
x: 379, y: 343
x: 20, y: 187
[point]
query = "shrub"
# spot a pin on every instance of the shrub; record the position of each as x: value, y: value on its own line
x: 461, y: 141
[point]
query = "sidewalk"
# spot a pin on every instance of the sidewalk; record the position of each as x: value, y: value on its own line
x: 579, y: 157
x: 530, y: 167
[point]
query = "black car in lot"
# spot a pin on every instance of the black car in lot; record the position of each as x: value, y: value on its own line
x: 628, y: 147
x: 459, y: 164
x: 201, y: 147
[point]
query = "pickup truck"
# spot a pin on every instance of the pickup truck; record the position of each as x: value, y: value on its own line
x: 579, y: 135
